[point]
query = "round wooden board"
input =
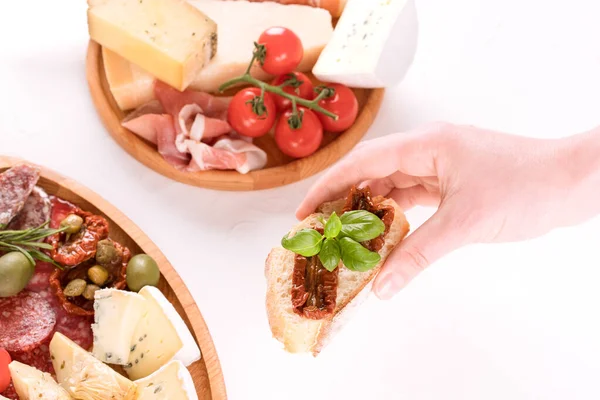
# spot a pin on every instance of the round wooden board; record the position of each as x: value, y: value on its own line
x: 280, y: 170
x: 206, y: 372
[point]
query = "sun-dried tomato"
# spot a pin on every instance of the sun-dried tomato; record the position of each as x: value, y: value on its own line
x: 71, y: 250
x: 80, y: 305
x: 314, y: 288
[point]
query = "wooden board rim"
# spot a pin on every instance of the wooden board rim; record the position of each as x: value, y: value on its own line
x: 266, y: 178
x: 198, y: 325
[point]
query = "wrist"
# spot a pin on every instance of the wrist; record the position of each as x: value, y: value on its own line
x: 578, y: 161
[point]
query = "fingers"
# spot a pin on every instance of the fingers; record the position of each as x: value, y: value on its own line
x: 434, y: 239
x: 411, y: 153
x: 415, y: 196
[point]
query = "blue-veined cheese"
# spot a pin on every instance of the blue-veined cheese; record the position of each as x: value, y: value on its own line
x: 84, y: 376
x: 33, y: 384
x: 372, y: 46
x: 116, y: 316
x: 160, y: 336
x: 171, y: 382
x: 168, y: 38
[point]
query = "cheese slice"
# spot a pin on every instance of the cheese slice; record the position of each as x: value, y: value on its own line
x: 160, y: 336
x: 373, y: 45
x: 117, y: 314
x: 3, y: 398
x: 85, y: 377
x: 33, y: 384
x: 240, y: 23
x: 171, y: 382
x: 168, y: 38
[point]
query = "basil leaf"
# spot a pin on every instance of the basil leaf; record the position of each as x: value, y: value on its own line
x: 333, y: 226
x: 356, y: 257
x: 361, y: 225
x: 306, y: 242
x: 330, y: 254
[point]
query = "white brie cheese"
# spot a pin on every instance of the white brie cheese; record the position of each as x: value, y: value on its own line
x: 372, y: 46
x: 85, y: 377
x: 160, y: 336
x: 171, y: 382
x: 33, y: 384
x: 117, y: 314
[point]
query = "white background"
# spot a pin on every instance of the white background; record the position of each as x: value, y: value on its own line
x: 515, y: 321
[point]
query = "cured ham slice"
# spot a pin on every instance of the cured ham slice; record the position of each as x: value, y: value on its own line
x: 191, y: 132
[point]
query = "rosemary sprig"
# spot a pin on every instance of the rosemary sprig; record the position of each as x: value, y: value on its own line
x: 29, y: 242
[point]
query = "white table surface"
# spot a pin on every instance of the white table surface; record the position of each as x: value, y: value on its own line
x: 514, y: 321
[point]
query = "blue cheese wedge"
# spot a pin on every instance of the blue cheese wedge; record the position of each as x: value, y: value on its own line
x: 33, y: 384
x: 373, y: 44
x: 171, y: 382
x: 85, y: 377
x: 116, y: 316
x: 160, y: 336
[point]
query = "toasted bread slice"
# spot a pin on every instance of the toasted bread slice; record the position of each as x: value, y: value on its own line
x: 303, y: 335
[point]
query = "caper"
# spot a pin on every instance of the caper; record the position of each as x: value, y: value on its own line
x: 142, y: 270
x: 106, y: 253
x: 89, y: 291
x: 72, y: 223
x: 15, y: 273
x: 98, y: 274
x: 75, y: 288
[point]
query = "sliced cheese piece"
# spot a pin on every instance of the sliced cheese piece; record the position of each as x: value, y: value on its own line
x: 373, y: 45
x: 117, y: 314
x: 168, y: 38
x: 240, y: 23
x: 85, y: 377
x: 160, y: 336
x: 171, y: 382
x: 3, y: 398
x: 33, y: 384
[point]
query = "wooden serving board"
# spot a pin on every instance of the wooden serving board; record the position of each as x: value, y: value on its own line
x: 280, y: 169
x: 206, y: 372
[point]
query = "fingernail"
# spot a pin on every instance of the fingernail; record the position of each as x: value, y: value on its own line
x: 390, y: 285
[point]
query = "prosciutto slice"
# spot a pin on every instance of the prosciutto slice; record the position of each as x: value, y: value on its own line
x: 191, y: 132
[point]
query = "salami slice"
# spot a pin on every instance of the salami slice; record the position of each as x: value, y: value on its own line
x: 26, y: 321
x: 40, y: 281
x: 16, y: 185
x: 10, y: 393
x: 35, y: 212
x: 38, y: 358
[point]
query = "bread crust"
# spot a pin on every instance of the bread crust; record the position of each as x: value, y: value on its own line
x: 299, y: 334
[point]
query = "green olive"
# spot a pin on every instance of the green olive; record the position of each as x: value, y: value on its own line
x: 89, y: 291
x: 72, y: 223
x: 75, y: 288
x: 106, y: 253
x: 98, y: 274
x: 15, y: 273
x: 142, y: 270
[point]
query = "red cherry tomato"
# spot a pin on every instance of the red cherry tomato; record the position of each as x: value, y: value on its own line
x: 4, y: 372
x: 304, y: 90
x: 284, y: 50
x: 244, y: 120
x: 299, y: 142
x: 342, y: 103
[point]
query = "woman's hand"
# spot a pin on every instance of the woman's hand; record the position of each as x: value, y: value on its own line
x: 490, y: 187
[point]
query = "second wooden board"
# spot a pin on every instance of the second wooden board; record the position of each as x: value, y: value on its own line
x: 280, y: 169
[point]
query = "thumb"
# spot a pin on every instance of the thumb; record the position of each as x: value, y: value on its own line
x: 434, y: 239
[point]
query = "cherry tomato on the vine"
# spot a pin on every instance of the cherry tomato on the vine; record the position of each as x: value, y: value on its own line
x: 302, y: 141
x: 342, y: 103
x: 283, y: 50
x: 4, y: 372
x: 242, y: 113
x: 299, y: 85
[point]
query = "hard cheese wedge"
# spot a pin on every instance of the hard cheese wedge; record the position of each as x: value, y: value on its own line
x: 85, y: 377
x: 117, y: 314
x: 33, y: 384
x: 160, y: 336
x: 168, y: 38
x: 240, y: 23
x: 373, y: 44
x: 171, y: 382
